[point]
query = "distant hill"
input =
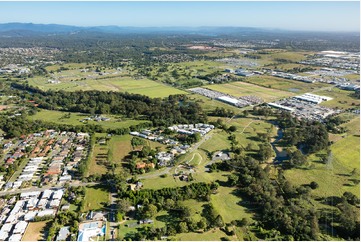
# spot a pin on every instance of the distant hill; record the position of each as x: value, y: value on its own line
x: 30, y: 29
x: 57, y: 28
x: 45, y: 28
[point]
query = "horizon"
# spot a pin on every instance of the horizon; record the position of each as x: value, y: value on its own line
x: 185, y: 27
x: 289, y: 16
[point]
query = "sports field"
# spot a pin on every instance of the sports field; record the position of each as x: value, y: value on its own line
x: 239, y: 89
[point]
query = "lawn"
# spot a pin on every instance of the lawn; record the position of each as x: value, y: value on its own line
x: 96, y: 198
x: 60, y: 117
x: 35, y: 231
x: 239, y: 89
x: 219, y: 141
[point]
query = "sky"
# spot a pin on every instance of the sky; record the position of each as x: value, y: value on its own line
x: 313, y: 16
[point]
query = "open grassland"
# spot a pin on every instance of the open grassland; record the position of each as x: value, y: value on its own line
x: 275, y: 56
x: 333, y: 179
x: 353, y: 77
x: 94, y: 167
x: 219, y: 141
x: 35, y: 231
x: 119, y: 147
x: 60, y: 117
x: 211, y: 235
x: 68, y: 66
x: 246, y: 133
x: 227, y: 203
x: 209, y: 104
x: 239, y: 89
x: 342, y: 99
x: 341, y: 174
x: 201, y: 67
x: 118, y: 84
x: 347, y: 149
x: 95, y: 198
x: 285, y: 84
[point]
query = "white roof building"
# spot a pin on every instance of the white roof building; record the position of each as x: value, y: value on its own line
x: 15, y: 237
x: 11, y: 219
x: 20, y: 227
x: 30, y: 215
x: 6, y: 228
x: 32, y: 203
x: 46, y: 212
x: 46, y: 194
x: 230, y: 100
x: 54, y: 203
x: 58, y: 194
x: 42, y: 203
x: 3, y: 235
x: 17, y: 184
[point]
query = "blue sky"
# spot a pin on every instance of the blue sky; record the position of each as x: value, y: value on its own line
x: 326, y: 16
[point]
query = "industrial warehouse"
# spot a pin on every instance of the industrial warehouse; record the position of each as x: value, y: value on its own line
x: 306, y: 106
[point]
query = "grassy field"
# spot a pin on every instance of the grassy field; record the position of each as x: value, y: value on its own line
x: 121, y: 84
x: 219, y: 141
x: 208, y: 104
x: 95, y: 198
x: 342, y: 99
x: 212, y: 235
x: 285, y: 84
x: 34, y: 231
x: 95, y: 168
x: 227, y: 204
x: 335, y: 178
x: 239, y: 89
x: 74, y: 119
x: 130, y: 226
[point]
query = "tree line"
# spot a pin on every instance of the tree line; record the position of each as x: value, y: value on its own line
x: 161, y: 112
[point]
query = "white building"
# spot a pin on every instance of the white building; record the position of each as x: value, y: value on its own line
x: 15, y: 237
x: 20, y: 227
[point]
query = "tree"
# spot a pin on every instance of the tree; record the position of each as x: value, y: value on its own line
x: 169, y: 203
x: 124, y: 205
x: 314, y: 185
x: 202, y: 224
x: 232, y: 128
x: 150, y: 211
x: 232, y: 180
x: 218, y: 222
x: 183, y: 227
